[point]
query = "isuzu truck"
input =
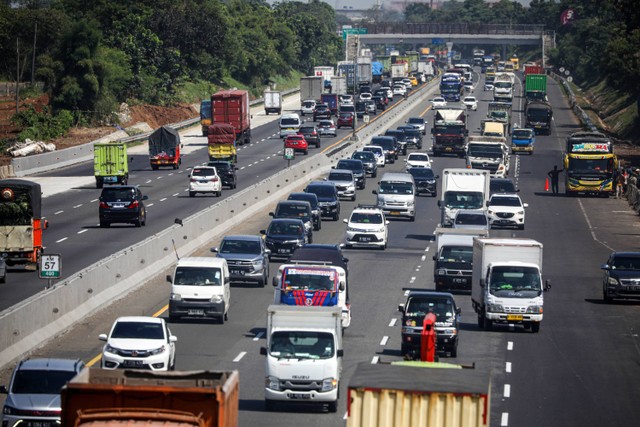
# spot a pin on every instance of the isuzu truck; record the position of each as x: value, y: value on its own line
x: 462, y: 189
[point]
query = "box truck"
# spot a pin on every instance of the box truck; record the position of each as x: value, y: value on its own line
x: 462, y: 189
x: 272, y: 102
x: 232, y: 107
x: 311, y: 88
x: 506, y: 284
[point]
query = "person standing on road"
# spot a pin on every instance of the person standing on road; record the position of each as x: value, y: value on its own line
x: 621, y: 182
x: 554, y: 174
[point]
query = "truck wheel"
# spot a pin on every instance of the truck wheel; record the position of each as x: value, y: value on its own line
x: 332, y: 407
x: 480, y: 319
x: 487, y: 324
x: 192, y: 193
x: 99, y: 182
x: 535, y: 327
x: 454, y: 351
x: 154, y: 167
x: 318, y: 144
x: 266, y: 112
x: 269, y: 405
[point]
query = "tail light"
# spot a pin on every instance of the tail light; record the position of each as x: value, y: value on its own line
x: 133, y: 204
x: 214, y: 179
x: 103, y: 205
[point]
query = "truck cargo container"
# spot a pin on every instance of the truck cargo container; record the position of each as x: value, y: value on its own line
x: 98, y: 397
x: 331, y: 99
x: 376, y: 72
x: 272, y: 102
x: 346, y: 69
x: 364, y: 71
x: 385, y: 60
x: 110, y: 163
x: 232, y: 107
x: 462, y: 189
x: 507, y: 282
x: 339, y: 85
x: 164, y: 148
x: 326, y: 72
x: 398, y: 70
x: 503, y: 87
x: 311, y: 87
x: 418, y: 395
x: 535, y: 87
x: 532, y: 69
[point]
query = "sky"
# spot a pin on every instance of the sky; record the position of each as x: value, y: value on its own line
x: 367, y: 4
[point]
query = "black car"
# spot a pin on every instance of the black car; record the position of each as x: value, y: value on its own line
x: 122, y: 204
x: 418, y: 305
x: 368, y: 160
x: 389, y: 146
x: 425, y: 181
x: 381, y: 104
x: 321, y: 112
x: 621, y: 276
x: 400, y: 137
x: 296, y: 209
x: 355, y: 166
x: 283, y: 236
x: 361, y: 108
x: 501, y: 185
x: 412, y: 135
x: 327, y: 194
x: 364, y: 89
x: 247, y: 258
x: 3, y: 269
x: 226, y: 172
x: 315, y: 206
x: 311, y: 134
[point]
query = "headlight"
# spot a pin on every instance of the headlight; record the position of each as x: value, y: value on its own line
x: 272, y: 383
x: 535, y: 309
x: 8, y: 410
x: 157, y: 350
x: 411, y: 204
x: 379, y: 230
x: 352, y: 230
x: 520, y: 213
x: 257, y: 264
x: 216, y: 298
x: 175, y: 297
x: 490, y: 212
x: 441, y: 272
x: 612, y: 281
x: 329, y: 384
x: 448, y: 331
x: 109, y: 349
x: 495, y: 308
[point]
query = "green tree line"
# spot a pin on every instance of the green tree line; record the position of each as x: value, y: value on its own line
x: 91, y: 55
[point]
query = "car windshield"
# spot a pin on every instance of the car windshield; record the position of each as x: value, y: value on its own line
x: 387, y: 187
x: 346, y: 164
x: 364, y: 156
x: 231, y: 246
x: 289, y: 122
x: 309, y: 279
x: 138, y: 330
x: 505, y: 201
x: 501, y: 187
x: 203, y: 172
x: 463, y: 200
x: 302, y: 345
x: 197, y: 276
x: 374, y: 151
x: 626, y: 263
x: 386, y: 143
x: 308, y: 104
x: 284, y: 229
x: 27, y: 381
x: 418, y: 158
x: 515, y: 282
x: 304, y: 197
x: 321, y: 191
x: 113, y: 194
x: 345, y: 116
x: 325, y: 124
x: 456, y: 254
x: 471, y: 219
x: 422, y: 172
x: 307, y: 129
x: 220, y: 166
x: 441, y: 307
x: 366, y: 218
x: 339, y: 176
x: 522, y: 134
x: 292, y: 211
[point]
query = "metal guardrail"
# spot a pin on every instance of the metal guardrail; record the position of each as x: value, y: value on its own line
x: 584, y: 118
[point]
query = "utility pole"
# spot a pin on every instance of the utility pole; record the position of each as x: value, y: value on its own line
x: 17, y: 75
x: 354, y: 136
x: 33, y: 57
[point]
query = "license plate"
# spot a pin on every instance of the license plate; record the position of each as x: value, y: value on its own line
x: 110, y: 179
x: 447, y: 149
x: 300, y: 396
x: 237, y: 272
x: 514, y: 317
x: 195, y: 312
x: 365, y: 238
x: 39, y: 423
x: 134, y: 363
x: 118, y: 205
x: 283, y: 251
x: 394, y: 213
x: 459, y: 280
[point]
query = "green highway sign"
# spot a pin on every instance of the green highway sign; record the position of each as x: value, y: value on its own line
x: 50, y: 266
x: 347, y: 31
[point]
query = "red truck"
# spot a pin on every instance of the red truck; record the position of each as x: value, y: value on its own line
x: 232, y: 107
x: 164, y: 148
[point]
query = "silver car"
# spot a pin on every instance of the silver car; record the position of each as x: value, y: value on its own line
x: 247, y: 258
x: 344, y: 181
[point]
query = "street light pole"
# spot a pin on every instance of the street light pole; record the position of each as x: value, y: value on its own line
x: 354, y: 136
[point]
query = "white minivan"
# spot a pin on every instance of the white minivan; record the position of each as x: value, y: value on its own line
x: 396, y: 195
x: 200, y: 287
x: 289, y: 124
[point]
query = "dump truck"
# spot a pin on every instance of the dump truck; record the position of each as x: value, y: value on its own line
x: 449, y: 131
x: 221, y: 142
x: 272, y: 102
x: 110, y: 163
x: 109, y: 398
x: 232, y: 107
x: 418, y: 393
x: 21, y: 222
x: 164, y: 148
x: 500, y: 111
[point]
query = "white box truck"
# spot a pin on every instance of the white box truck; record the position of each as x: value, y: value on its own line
x: 303, y: 355
x: 506, y: 285
x: 272, y: 102
x: 311, y: 87
x: 339, y: 85
x: 462, y: 189
x: 453, y: 260
x: 398, y: 70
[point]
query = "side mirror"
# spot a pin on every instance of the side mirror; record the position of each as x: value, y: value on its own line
x: 102, y: 337
x: 526, y: 205
x: 173, y: 338
x: 340, y: 353
x: 346, y: 221
x: 169, y: 278
x: 263, y: 351
x: 274, y: 281
x: 435, y: 257
x: 263, y: 232
x: 440, y: 203
x: 214, y: 250
x: 3, y: 389
x: 271, y: 214
x: 341, y: 287
x: 605, y: 267
x: 145, y: 197
x: 374, y: 192
x: 267, y: 251
x: 458, y: 310
x: 437, y: 176
x: 547, y: 285
x: 401, y: 308
x: 45, y: 224
x: 482, y: 283
x: 189, y: 176
x: 387, y: 222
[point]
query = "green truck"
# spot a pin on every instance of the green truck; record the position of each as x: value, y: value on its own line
x: 110, y: 163
x: 535, y: 87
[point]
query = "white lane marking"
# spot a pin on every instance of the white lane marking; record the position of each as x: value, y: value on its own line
x: 240, y: 356
x: 268, y: 157
x: 375, y: 360
x: 510, y: 345
x: 149, y: 205
x: 174, y: 195
x: 82, y: 231
x: 94, y: 200
x: 258, y: 336
x: 171, y: 174
x: 384, y: 340
x: 413, y: 279
x: 508, y: 367
x: 147, y: 181
x: 423, y: 258
x: 162, y: 200
x: 262, y: 160
x: 159, y: 177
x: 62, y: 240
x: 593, y: 233
x: 59, y: 212
x: 406, y: 292
x: 507, y: 390
x: 393, y: 322
x: 345, y: 416
x: 263, y: 139
x: 504, y: 420
x: 418, y: 269
x: 427, y: 250
x: 242, y: 167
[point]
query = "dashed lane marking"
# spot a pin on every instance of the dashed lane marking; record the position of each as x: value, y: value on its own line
x: 375, y: 360
x: 240, y: 356
x: 507, y: 390
x: 92, y: 201
x: 59, y: 212
x: 504, y: 420
x: 258, y: 336
x: 384, y: 340
x: 62, y: 240
x: 82, y: 231
x: 393, y: 322
x: 510, y: 345
x: 163, y: 199
x: 508, y: 367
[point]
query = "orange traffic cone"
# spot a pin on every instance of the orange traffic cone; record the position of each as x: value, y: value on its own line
x: 546, y: 184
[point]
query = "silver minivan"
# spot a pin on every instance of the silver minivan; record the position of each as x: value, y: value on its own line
x: 396, y: 195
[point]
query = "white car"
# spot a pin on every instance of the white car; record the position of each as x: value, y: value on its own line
x: 438, y: 102
x: 400, y: 90
x: 344, y: 181
x: 488, y: 85
x: 204, y: 179
x: 346, y: 99
x: 407, y: 83
x: 389, y: 91
x: 470, y: 102
x: 378, y: 152
x: 471, y: 219
x: 139, y: 342
x: 366, y: 227
x: 307, y: 107
x: 506, y: 210
x: 365, y: 96
x: 418, y: 160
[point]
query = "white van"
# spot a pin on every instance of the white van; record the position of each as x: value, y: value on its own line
x: 397, y: 195
x: 289, y: 124
x: 200, y: 287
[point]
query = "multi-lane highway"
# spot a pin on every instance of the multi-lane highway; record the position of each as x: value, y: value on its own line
x: 581, y: 369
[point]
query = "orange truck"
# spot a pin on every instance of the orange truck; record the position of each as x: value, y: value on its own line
x: 164, y: 148
x: 21, y: 222
x: 119, y: 398
x: 232, y: 107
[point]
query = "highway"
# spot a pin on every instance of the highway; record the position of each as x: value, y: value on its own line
x: 581, y: 369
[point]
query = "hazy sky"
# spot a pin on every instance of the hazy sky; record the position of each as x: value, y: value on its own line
x: 366, y: 4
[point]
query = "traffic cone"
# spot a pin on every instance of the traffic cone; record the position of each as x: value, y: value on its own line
x: 546, y: 184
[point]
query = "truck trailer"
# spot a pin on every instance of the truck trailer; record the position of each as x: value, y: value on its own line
x: 110, y: 163
x: 232, y: 107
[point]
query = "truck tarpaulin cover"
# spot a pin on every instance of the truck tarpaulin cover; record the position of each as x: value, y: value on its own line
x: 164, y: 140
x: 221, y: 133
x: 20, y: 201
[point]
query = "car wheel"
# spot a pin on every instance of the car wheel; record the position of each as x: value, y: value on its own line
x: 375, y: 174
x: 318, y: 144
x: 412, y: 219
x: 219, y: 194
x: 336, y: 216
x: 535, y: 327
x: 104, y: 224
x: 521, y: 227
x: 310, y: 238
x: 353, y: 198
x: 605, y: 297
x: 192, y: 193
x: 138, y: 222
x: 222, y: 318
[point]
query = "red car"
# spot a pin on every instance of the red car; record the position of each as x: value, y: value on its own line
x: 297, y: 142
x: 345, y: 119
